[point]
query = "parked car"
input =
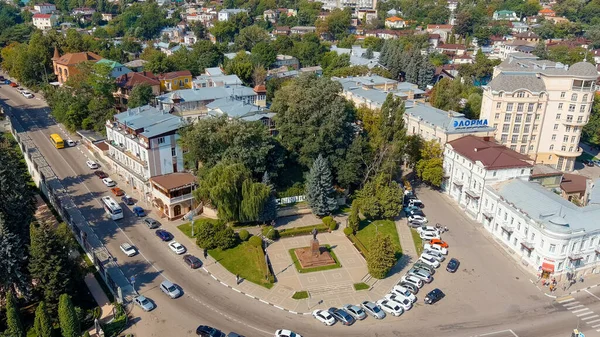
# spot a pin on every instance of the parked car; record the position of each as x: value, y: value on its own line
x: 417, y: 218
x: 355, y: 311
x: 117, y: 191
x: 429, y: 235
x: 411, y: 287
x: 128, y: 249
x: 427, y: 229
x: 391, y: 307
x: 2, y: 79
x: 408, y: 209
x: 233, y: 334
x: 109, y: 182
x: 151, y: 223
x: 71, y: 143
x: 342, y: 316
x: 373, y: 309
x: 177, y: 247
x: 426, y: 267
x: 435, y: 254
x: 138, y: 211
x: 101, y: 174
x: 164, y: 235
x: 428, y: 260
x: 588, y: 162
x: 170, y: 289
x: 324, y: 317
x: 207, y: 331
x: 128, y: 200
x: 412, y: 280
x: 404, y: 302
x: 421, y: 275
x: 452, y: 266
x: 440, y: 242
x: 415, y: 224
x: 596, y: 162
x: 434, y: 296
x: 13, y: 84
x: 286, y: 333
x: 416, y: 202
x: 91, y: 164
x: 192, y: 261
x: 143, y: 303
x: 436, y: 248
x: 400, y: 290
x: 417, y: 212
x: 27, y: 94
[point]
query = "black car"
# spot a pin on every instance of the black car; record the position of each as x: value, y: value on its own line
x: 233, y: 334
x: 128, y: 200
x: 417, y: 212
x: 207, y: 331
x: 434, y: 296
x: 342, y: 316
x: 192, y: 261
x: 452, y: 265
x: 588, y: 162
x: 164, y: 235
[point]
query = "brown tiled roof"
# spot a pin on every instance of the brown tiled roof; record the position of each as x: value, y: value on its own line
x: 491, y: 154
x: 174, y: 74
x: 573, y: 183
x: 42, y: 16
x: 76, y: 58
x: 174, y: 180
x: 452, y: 46
x: 132, y: 79
x: 440, y: 27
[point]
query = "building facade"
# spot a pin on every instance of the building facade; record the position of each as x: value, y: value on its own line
x: 539, y: 107
x: 66, y: 65
x: 44, y: 21
x: 173, y: 194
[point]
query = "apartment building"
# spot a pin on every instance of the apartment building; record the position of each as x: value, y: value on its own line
x: 44, y: 21
x: 539, y: 107
x: 331, y: 4
x: 142, y: 143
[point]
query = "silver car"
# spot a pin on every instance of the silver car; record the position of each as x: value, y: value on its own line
x: 355, y: 311
x: 421, y: 274
x: 373, y: 309
x: 170, y: 289
x: 144, y: 303
x: 435, y: 254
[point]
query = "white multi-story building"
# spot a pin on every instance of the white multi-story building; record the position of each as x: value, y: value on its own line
x: 227, y: 13
x: 142, y: 143
x: 539, y: 107
x: 44, y: 8
x: 45, y: 21
x: 471, y: 163
x: 365, y: 4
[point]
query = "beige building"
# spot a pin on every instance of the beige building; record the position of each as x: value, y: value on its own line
x: 539, y: 107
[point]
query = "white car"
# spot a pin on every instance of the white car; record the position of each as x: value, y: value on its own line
x: 429, y: 260
x: 324, y: 317
x: 128, y: 249
x: 417, y: 218
x: 177, y: 247
x: 436, y: 248
x: 400, y: 290
x: 91, y: 164
x: 27, y: 94
x: 429, y: 236
x: 425, y: 229
x: 435, y: 254
x: 109, y: 182
x: 391, y: 307
x: 286, y: 333
x: 412, y: 280
x: 71, y: 143
x: 403, y: 301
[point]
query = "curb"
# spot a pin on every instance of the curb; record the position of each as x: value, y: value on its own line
x: 254, y: 297
x: 576, y: 291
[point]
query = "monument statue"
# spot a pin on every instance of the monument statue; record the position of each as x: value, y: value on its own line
x: 314, y: 234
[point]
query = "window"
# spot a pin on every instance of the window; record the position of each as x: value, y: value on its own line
x: 563, y: 249
x: 504, y: 138
x: 557, y: 116
x: 542, y: 244
x: 562, y: 94
x: 579, y: 119
x: 496, y: 126
x: 568, y: 128
x: 552, y: 248
x: 186, y: 80
x: 563, y: 148
x: 520, y: 107
x: 507, y: 117
x: 571, y: 107
x: 521, y: 94
x: 560, y: 266
x: 518, y: 118
x: 539, y: 106
x: 530, y: 147
x: 574, y: 97
x: 524, y: 139
x: 160, y: 140
x: 555, y: 126
x: 573, y: 138
x: 565, y: 138
x: 173, y: 152
x: 532, y: 236
x: 514, y: 139
x: 528, y: 118
x: 570, y: 148
x: 569, y: 118
x: 551, y: 148
x: 519, y: 226
x: 554, y: 137
x: 516, y: 128
x: 537, y: 117
x: 523, y: 148
x: 582, y: 108
x: 501, y: 94
x: 498, y: 105
x: 513, y: 147
x: 533, y: 137
x: 509, y: 107
x: 505, y: 127
x: 526, y: 128
x: 497, y: 116
x: 530, y: 107
x: 560, y: 106
x: 535, y: 127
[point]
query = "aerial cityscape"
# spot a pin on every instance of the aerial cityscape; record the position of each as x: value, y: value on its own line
x: 303, y: 168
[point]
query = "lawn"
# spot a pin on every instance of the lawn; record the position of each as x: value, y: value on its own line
x: 310, y: 270
x: 186, y: 228
x: 367, y: 230
x: 417, y: 240
x: 361, y: 286
x: 299, y: 295
x: 244, y: 260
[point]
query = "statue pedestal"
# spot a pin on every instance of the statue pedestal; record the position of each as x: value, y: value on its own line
x: 315, y: 249
x: 314, y: 256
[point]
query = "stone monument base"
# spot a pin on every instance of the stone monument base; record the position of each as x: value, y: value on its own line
x: 309, y: 260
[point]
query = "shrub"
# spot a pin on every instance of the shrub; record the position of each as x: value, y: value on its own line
x: 330, y: 222
x: 270, y: 233
x: 295, y: 190
x: 244, y: 235
x: 215, y: 234
x: 348, y: 231
x: 255, y: 241
x: 305, y: 230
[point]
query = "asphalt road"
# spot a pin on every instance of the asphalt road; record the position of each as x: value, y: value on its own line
x: 207, y: 302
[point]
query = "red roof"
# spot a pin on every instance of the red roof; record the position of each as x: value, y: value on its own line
x: 491, y: 154
x: 132, y: 79
x: 445, y: 27
x: 42, y: 16
x: 573, y: 183
x: 452, y: 46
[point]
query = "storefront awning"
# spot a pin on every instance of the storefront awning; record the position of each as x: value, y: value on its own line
x: 508, y: 229
x: 458, y: 183
x: 488, y: 215
x: 575, y: 257
x: 472, y: 194
x: 547, y: 266
x: 527, y: 245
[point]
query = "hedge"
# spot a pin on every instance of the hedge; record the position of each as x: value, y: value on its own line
x: 356, y: 242
x: 297, y: 231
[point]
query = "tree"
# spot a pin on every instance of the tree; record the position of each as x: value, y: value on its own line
x: 250, y: 36
x: 320, y: 194
x: 215, y: 234
x: 264, y: 54
x: 540, y: 51
x: 332, y: 61
x: 67, y: 317
x: 591, y: 131
x: 198, y: 29
x: 354, y: 219
x: 446, y: 94
x: 430, y: 167
x: 269, y: 211
x: 14, y: 326
x: 381, y: 256
x: 380, y: 198
x: 254, y: 199
x: 336, y: 24
x: 224, y: 31
x: 141, y: 94
x: 42, y: 322
x: 241, y: 65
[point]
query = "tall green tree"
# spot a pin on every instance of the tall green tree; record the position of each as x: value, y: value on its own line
x: 354, y: 219
x: 591, y: 131
x: 241, y: 65
x: 13, y: 317
x: 141, y: 94
x: 381, y: 256
x: 250, y: 36
x: 269, y: 211
x: 254, y: 199
x: 320, y: 194
x: 42, y: 322
x: 380, y: 198
x: 264, y: 54
x: 430, y: 167
x: 67, y: 317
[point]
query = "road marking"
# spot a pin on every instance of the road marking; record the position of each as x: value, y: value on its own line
x: 585, y: 313
x: 596, y: 297
x: 580, y: 310
x: 577, y: 306
x: 565, y: 299
x: 585, y: 319
x: 570, y: 304
x: 498, y: 332
x: 594, y: 321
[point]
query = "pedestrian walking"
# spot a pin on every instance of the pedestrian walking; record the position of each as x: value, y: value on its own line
x: 237, y: 279
x: 205, y: 252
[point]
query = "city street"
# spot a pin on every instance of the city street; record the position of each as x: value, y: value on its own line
x: 489, y: 296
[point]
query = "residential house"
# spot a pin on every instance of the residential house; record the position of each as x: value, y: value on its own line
x: 434, y: 40
x: 214, y: 77
x: 443, y: 31
x: 117, y: 69
x: 136, y: 65
x: 462, y: 59
x: 126, y: 83
x: 227, y: 13
x: 395, y: 23
x: 451, y: 49
x: 528, y: 36
x: 286, y: 61
x: 505, y: 15
x: 45, y: 21
x: 365, y: 16
x: 519, y: 27
x: 270, y: 15
x: 107, y: 17
x: 388, y: 34
x: 281, y: 30
x: 371, y: 91
x: 301, y: 30
x: 332, y: 4
x: 44, y: 8
x: 515, y: 47
x: 173, y: 194
x: 175, y: 80
x: 235, y: 109
x: 358, y: 56
x: 547, y: 12
x: 66, y: 65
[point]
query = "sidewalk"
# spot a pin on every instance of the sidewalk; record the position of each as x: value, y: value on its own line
x: 99, y: 296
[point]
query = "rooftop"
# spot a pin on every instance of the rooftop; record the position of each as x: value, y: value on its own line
x: 205, y: 94
x: 132, y: 79
x: 573, y: 183
x: 152, y: 121
x: 527, y: 64
x: 76, y: 58
x: 449, y: 121
x: 173, y: 181
x: 175, y: 74
x: 491, y: 154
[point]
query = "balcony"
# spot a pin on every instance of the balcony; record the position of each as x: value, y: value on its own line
x: 128, y: 153
x: 573, y: 122
x: 561, y: 153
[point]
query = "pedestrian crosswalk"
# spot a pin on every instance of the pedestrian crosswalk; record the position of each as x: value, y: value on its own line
x: 586, y: 315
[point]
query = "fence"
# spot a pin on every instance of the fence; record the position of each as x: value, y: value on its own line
x: 49, y: 184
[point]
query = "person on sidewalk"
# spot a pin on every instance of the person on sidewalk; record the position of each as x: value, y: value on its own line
x: 205, y: 252
x: 237, y: 279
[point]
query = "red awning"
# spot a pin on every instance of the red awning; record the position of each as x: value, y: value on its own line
x: 549, y: 267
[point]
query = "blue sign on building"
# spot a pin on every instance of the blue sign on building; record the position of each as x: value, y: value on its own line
x: 468, y: 123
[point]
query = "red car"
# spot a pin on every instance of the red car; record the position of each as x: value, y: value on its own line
x: 101, y: 174
x: 14, y: 85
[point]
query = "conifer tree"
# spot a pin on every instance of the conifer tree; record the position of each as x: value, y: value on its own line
x: 67, y: 317
x: 319, y: 188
